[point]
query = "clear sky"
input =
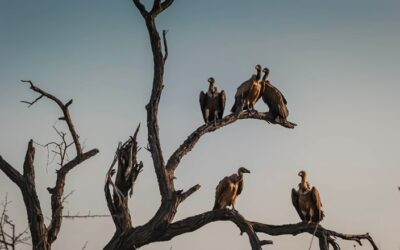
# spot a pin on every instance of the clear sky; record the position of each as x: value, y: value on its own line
x: 337, y: 62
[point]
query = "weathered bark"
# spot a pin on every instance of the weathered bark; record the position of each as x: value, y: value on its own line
x: 42, y: 236
x: 127, y: 173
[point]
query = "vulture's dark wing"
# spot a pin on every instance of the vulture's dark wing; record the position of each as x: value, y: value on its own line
x: 295, y: 202
x: 281, y: 100
x: 244, y: 87
x: 221, y: 104
x: 317, y: 204
x: 203, y: 103
x: 275, y: 100
x: 219, y: 190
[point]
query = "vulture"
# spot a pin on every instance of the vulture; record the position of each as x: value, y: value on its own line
x: 307, y: 202
x: 228, y: 189
x: 274, y: 99
x: 212, y: 103
x: 248, y: 93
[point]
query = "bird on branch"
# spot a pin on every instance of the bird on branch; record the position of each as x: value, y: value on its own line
x: 228, y: 189
x: 212, y: 103
x: 307, y: 201
x: 274, y: 99
x: 248, y: 93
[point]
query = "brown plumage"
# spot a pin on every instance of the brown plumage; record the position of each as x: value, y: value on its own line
x: 274, y: 98
x: 247, y: 94
x: 228, y: 189
x: 212, y: 103
x: 307, y: 201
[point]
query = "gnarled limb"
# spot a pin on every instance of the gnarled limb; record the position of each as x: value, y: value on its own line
x: 42, y: 236
x: 323, y: 234
x: 127, y: 173
x: 194, y: 137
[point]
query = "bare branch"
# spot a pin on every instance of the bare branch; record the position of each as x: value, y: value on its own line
x: 141, y: 8
x: 58, y: 190
x: 193, y: 223
x: 64, y: 109
x: 165, y: 45
x: 156, y: 7
x: 189, y: 192
x: 33, y: 102
x: 11, y: 172
x: 192, y: 139
x: 85, y: 216
x: 295, y: 229
x: 8, y: 235
x: 29, y: 170
x: 166, y: 4
x: 64, y: 199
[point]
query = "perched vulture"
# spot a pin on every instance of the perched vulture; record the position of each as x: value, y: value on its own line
x: 228, y: 189
x: 212, y: 103
x: 248, y: 93
x: 307, y: 202
x: 274, y: 98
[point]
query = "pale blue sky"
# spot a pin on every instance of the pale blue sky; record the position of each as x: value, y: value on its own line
x: 336, y: 62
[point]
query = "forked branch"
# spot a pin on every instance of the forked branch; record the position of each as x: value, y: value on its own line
x: 42, y: 236
x: 64, y: 109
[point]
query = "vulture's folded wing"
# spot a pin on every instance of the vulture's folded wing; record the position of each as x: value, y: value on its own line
x: 203, y: 103
x: 295, y: 202
x: 221, y: 104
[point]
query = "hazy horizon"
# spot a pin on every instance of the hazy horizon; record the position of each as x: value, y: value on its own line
x: 336, y: 63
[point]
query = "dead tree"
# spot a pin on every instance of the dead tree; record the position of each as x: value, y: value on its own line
x: 44, y: 235
x: 161, y: 226
x: 9, y: 238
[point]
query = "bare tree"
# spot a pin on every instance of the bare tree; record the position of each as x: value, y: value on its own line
x: 43, y: 236
x: 161, y: 226
x: 9, y: 238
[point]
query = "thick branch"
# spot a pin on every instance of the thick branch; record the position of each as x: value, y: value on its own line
x: 11, y: 172
x: 295, y: 229
x: 193, y: 223
x: 159, y: 7
x: 29, y: 170
x: 192, y: 139
x: 64, y: 109
x: 165, y: 182
x: 141, y: 8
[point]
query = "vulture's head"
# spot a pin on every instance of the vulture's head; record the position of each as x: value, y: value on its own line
x: 211, y: 80
x: 302, y: 174
x: 258, y: 67
x: 243, y: 170
x: 266, y: 71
